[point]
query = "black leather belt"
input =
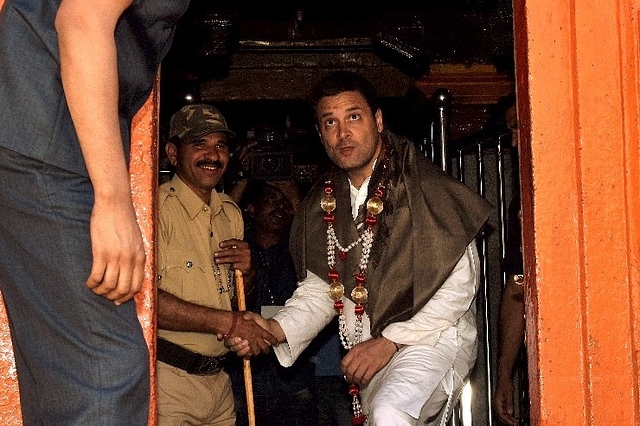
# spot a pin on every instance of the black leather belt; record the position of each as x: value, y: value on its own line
x: 189, y: 361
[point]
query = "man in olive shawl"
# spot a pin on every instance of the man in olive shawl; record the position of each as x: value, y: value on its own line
x: 402, y: 234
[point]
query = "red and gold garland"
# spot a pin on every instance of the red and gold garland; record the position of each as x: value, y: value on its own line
x: 359, y: 294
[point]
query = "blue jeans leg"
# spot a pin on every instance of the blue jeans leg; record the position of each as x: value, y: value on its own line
x: 81, y: 360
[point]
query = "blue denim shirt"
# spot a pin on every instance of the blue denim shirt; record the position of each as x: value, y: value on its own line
x: 33, y: 110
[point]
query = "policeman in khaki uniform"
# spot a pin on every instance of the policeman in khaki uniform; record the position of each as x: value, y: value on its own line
x: 199, y: 247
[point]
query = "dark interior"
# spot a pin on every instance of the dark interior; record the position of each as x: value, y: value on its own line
x: 256, y: 63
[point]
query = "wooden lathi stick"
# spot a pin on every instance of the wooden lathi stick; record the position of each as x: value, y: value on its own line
x: 246, y: 364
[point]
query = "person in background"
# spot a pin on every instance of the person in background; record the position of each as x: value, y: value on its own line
x: 334, y: 404
x: 385, y: 241
x: 74, y: 73
x: 325, y: 351
x: 511, y: 325
x: 283, y: 396
x: 200, y: 245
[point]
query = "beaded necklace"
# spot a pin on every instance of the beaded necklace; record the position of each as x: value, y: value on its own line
x: 217, y: 271
x: 359, y: 294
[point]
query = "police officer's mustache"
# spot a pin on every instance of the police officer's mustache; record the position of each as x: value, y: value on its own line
x: 209, y: 163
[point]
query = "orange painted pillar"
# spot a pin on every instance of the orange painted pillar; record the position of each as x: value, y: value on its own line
x: 144, y: 186
x: 577, y: 66
x: 144, y: 172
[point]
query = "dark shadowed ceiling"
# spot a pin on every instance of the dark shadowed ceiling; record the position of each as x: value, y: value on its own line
x: 409, y: 35
x: 246, y: 57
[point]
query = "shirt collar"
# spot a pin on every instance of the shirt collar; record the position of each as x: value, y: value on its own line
x: 191, y: 202
x: 358, y: 196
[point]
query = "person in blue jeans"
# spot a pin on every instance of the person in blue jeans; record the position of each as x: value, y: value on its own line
x: 73, y: 75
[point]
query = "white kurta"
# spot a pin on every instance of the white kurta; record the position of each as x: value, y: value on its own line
x: 441, y: 342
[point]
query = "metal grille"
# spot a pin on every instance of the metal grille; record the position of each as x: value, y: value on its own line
x: 484, y: 163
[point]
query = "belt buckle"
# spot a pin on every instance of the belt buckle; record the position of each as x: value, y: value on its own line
x: 207, y: 366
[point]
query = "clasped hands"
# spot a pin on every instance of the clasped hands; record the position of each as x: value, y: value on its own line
x: 359, y: 365
x: 250, y: 335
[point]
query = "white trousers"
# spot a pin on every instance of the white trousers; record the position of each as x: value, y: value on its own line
x: 416, y: 384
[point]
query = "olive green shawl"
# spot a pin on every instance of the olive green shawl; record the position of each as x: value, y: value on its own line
x: 428, y: 221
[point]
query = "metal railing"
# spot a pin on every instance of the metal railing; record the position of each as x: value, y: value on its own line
x: 483, y: 162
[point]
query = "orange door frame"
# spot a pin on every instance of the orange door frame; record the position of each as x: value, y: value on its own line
x: 578, y: 94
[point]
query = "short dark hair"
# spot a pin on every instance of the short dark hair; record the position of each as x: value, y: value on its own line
x: 344, y: 81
